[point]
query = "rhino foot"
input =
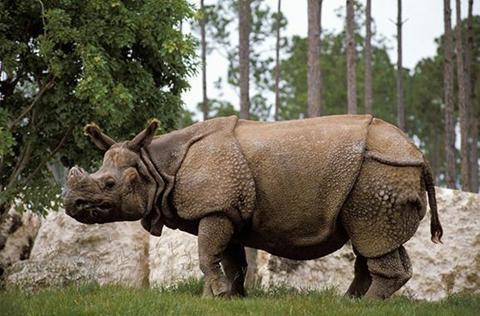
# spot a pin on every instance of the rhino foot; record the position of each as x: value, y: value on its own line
x: 217, y: 288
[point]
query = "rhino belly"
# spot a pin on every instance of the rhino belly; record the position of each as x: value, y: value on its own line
x: 292, y: 223
x: 283, y: 242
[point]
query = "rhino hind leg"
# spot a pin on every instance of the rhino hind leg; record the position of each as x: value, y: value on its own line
x: 214, y: 236
x: 362, y: 280
x: 234, y: 265
x: 389, y: 273
x: 384, y: 208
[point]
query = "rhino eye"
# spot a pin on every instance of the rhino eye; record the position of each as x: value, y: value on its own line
x: 109, y: 183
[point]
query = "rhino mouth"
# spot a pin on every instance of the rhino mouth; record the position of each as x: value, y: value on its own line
x: 88, y: 213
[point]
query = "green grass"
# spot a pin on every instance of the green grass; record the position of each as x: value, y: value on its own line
x: 185, y: 299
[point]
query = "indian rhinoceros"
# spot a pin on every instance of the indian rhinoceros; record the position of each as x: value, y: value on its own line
x: 298, y: 189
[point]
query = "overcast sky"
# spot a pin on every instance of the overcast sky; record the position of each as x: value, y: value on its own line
x: 424, y: 24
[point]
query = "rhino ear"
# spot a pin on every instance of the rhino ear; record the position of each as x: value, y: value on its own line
x: 145, y: 137
x: 101, y: 140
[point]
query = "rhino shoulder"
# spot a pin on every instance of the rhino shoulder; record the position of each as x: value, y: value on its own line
x: 215, y: 177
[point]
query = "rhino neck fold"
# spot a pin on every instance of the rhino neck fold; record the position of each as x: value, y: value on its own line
x: 154, y: 215
x: 166, y: 153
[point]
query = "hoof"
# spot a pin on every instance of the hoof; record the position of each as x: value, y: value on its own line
x: 217, y: 288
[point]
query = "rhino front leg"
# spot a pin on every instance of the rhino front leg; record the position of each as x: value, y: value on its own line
x: 214, y: 235
x: 234, y: 264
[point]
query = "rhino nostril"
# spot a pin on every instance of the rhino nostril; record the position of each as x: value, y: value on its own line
x: 80, y: 202
x: 105, y: 206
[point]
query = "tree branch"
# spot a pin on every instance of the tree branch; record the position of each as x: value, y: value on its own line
x: 46, y: 87
x: 57, y: 148
x: 21, y: 163
x: 43, y: 17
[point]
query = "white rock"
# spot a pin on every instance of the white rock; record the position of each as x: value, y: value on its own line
x: 454, y: 266
x: 59, y: 272
x: 438, y: 270
x: 117, y: 251
x: 173, y: 257
x: 335, y: 270
x: 17, y: 234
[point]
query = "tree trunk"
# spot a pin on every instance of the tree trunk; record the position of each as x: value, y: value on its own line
x: 472, y: 111
x: 277, y: 62
x: 245, y: 17
x: 435, y: 156
x: 462, y: 103
x: 314, y: 78
x: 203, y: 44
x: 400, y: 103
x: 368, y: 59
x: 448, y: 97
x: 351, y: 67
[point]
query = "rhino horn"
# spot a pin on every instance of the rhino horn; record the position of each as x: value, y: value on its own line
x: 75, y: 172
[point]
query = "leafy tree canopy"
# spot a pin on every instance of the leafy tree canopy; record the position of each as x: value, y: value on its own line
x: 64, y: 63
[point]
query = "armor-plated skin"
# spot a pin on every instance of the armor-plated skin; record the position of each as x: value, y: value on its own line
x: 297, y: 189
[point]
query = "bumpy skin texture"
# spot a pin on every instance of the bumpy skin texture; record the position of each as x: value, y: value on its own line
x: 297, y: 189
x: 385, y: 207
x: 215, y: 169
x: 301, y: 189
x: 302, y: 179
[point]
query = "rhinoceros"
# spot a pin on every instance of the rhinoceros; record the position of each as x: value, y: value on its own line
x: 298, y: 189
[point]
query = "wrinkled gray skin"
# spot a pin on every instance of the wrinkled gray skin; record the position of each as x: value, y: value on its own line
x: 297, y: 189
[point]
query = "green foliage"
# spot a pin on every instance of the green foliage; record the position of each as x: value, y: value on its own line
x: 185, y: 299
x: 423, y: 87
x: 217, y: 20
x: 186, y: 118
x: 6, y: 137
x: 262, y: 64
x: 221, y: 23
x: 334, y: 71
x: 65, y: 63
x: 219, y: 108
x: 425, y: 100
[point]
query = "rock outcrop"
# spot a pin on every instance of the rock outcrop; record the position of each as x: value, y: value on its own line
x: 125, y: 253
x: 32, y: 275
x: 454, y: 266
x: 173, y: 257
x: 17, y: 235
x: 116, y: 252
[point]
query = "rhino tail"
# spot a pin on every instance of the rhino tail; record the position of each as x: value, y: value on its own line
x: 435, y: 226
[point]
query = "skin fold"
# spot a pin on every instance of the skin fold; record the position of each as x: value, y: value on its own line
x: 297, y: 189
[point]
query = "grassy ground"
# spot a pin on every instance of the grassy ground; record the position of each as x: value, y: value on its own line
x: 186, y: 299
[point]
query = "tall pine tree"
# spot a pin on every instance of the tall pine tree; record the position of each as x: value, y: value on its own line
x: 314, y: 75
x: 462, y: 102
x: 448, y: 96
x: 351, y: 63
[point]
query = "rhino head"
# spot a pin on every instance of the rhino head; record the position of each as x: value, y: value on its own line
x: 123, y: 189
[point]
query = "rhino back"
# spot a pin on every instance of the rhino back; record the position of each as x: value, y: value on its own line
x: 391, y: 144
x: 303, y: 172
